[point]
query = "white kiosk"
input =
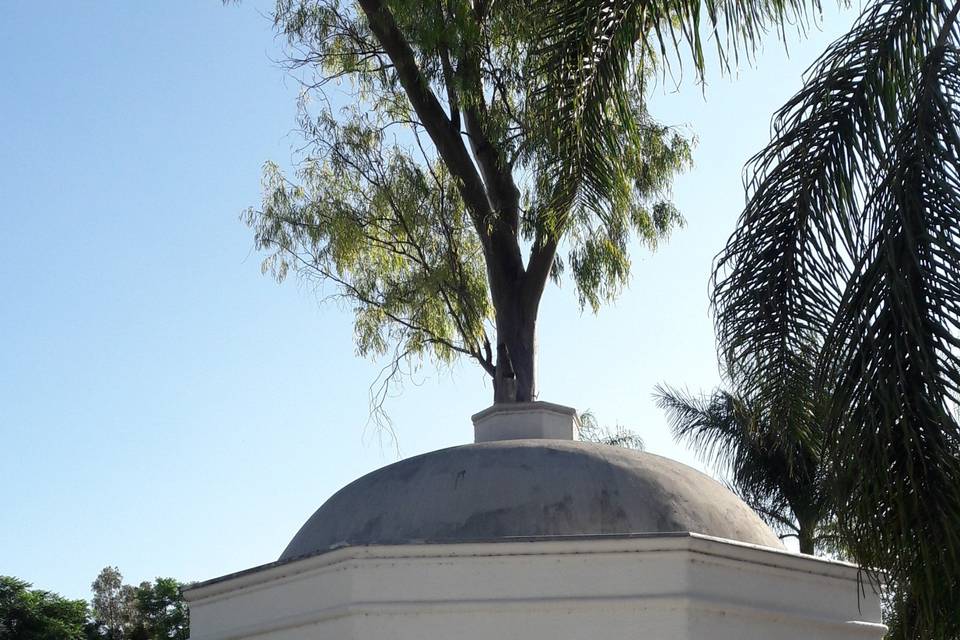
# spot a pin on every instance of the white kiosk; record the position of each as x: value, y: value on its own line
x: 531, y: 534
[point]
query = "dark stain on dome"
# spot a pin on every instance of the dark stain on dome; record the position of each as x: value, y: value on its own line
x: 527, y: 488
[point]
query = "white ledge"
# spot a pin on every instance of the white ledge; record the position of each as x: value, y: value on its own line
x: 678, y: 586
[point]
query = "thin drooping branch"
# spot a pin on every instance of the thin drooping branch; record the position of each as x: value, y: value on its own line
x: 352, y: 292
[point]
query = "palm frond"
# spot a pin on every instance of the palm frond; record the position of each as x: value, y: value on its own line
x: 726, y: 433
x: 851, y: 239
x: 779, y: 475
x: 708, y: 424
x: 591, y: 53
x: 895, y: 347
x: 618, y: 436
x: 779, y: 280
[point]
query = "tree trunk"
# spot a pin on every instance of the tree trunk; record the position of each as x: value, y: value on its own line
x: 516, y: 301
x: 516, y: 368
x: 504, y: 380
x: 515, y: 292
x: 806, y: 537
x: 486, y: 183
x: 523, y: 357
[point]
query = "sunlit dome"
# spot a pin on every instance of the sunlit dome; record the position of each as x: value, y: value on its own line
x: 531, y: 533
x: 527, y: 489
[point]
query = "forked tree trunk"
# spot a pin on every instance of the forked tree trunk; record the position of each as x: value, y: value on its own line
x: 486, y: 183
x: 516, y: 369
x: 516, y: 320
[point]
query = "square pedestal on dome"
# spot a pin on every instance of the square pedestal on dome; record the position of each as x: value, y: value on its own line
x: 660, y: 587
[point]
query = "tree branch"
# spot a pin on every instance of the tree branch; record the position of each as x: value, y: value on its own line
x: 541, y: 260
x: 441, y: 130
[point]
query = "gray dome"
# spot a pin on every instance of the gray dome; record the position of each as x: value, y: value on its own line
x: 527, y: 488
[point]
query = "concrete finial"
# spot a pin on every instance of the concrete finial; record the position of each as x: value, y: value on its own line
x: 526, y: 420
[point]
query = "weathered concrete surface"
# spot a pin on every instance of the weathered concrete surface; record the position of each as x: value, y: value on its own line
x: 527, y: 488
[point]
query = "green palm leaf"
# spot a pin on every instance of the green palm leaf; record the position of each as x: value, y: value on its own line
x: 594, y: 54
x: 896, y: 350
x: 851, y: 239
x: 781, y: 276
x: 779, y: 475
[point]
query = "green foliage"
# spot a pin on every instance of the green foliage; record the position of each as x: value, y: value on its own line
x: 32, y: 614
x: 112, y: 604
x: 781, y: 475
x: 150, y: 611
x: 592, y: 56
x: 852, y: 235
x: 618, y: 436
x: 389, y: 207
x: 391, y: 233
x: 161, y: 613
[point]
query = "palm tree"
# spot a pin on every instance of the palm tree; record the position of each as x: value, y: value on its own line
x: 851, y: 235
x: 780, y: 475
x: 783, y: 477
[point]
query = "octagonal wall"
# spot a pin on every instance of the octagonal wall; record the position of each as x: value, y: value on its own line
x: 666, y: 587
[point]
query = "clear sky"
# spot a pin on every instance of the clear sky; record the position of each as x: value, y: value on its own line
x: 167, y: 409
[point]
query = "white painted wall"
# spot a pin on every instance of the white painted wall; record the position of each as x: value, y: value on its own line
x: 663, y: 587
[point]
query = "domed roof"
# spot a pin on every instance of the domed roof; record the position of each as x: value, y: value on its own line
x: 527, y: 488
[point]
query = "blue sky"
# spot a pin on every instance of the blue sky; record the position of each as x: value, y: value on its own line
x: 166, y: 408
